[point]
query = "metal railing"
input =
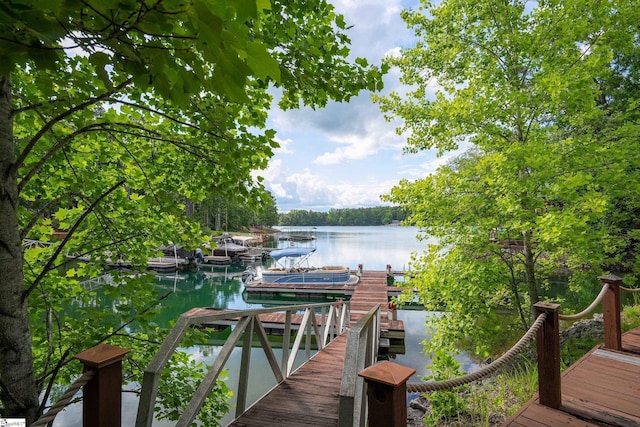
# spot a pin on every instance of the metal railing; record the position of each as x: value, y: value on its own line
x: 362, y: 351
x: 31, y: 244
x: 324, y: 326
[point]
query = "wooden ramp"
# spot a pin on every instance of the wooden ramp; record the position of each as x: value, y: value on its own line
x: 372, y: 290
x: 601, y: 389
x: 309, y: 397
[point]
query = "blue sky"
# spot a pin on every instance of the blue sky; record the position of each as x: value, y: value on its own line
x: 347, y: 155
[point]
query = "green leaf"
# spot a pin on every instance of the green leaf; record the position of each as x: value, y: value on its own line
x: 261, y: 62
x: 100, y: 60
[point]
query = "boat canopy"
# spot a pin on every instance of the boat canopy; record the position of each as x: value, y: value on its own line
x: 291, y: 253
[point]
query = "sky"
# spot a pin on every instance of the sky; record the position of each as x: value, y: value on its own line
x: 347, y: 155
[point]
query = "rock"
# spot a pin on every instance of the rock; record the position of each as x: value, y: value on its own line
x: 584, y: 328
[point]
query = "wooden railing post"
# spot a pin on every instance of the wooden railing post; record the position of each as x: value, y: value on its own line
x: 611, y: 312
x: 387, y: 393
x: 548, y: 341
x: 102, y: 406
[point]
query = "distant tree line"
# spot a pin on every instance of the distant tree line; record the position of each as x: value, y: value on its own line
x: 381, y: 215
x: 234, y: 214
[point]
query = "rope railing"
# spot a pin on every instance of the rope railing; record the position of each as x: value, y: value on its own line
x: 64, y: 400
x: 483, y: 372
x: 630, y: 290
x: 587, y: 311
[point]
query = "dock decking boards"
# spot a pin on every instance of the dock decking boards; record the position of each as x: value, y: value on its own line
x: 309, y: 397
x: 601, y: 389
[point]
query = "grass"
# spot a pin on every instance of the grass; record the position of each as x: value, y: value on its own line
x: 491, y: 402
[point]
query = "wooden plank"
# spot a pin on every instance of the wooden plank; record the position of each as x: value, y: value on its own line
x: 614, y: 355
x: 600, y: 399
x: 602, y: 388
x: 606, y: 378
x: 536, y: 415
x: 616, y: 374
x: 309, y: 397
x: 601, y: 415
x: 631, y: 341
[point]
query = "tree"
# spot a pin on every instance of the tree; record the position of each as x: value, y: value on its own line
x: 529, y: 88
x: 112, y: 114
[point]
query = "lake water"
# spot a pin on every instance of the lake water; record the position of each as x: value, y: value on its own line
x: 221, y: 287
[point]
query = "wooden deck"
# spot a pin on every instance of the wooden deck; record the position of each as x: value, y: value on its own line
x: 311, y: 395
x: 601, y: 389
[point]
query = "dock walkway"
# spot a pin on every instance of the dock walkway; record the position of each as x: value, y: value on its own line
x: 601, y: 389
x: 311, y: 395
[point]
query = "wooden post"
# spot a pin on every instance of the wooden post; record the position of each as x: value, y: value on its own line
x: 548, y: 341
x: 102, y: 405
x: 387, y: 393
x: 611, y: 312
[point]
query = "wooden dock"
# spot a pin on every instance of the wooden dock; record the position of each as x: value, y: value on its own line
x: 601, y: 389
x: 373, y: 289
x: 311, y: 395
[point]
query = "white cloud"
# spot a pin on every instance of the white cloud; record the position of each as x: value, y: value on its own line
x: 307, y: 190
x: 376, y: 135
x: 273, y: 171
x: 284, y: 146
x: 347, y: 154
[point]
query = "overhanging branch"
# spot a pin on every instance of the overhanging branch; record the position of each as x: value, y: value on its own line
x: 60, y: 247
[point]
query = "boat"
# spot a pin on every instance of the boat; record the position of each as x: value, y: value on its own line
x: 291, y: 268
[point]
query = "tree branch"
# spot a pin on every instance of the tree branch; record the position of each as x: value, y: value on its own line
x: 58, y: 250
x: 165, y: 115
x: 34, y: 140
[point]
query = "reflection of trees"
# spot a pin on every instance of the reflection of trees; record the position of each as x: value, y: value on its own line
x: 223, y: 293
x: 197, y: 289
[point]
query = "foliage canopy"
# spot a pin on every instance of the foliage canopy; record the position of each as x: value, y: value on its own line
x: 542, y: 99
x: 115, y: 116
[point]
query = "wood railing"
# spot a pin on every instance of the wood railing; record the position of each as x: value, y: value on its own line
x: 548, y: 348
x: 320, y: 321
x: 362, y: 351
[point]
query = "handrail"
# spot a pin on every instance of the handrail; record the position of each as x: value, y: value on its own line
x: 64, y: 400
x: 487, y: 370
x: 423, y: 387
x: 362, y: 351
x: 333, y: 318
x: 588, y: 310
x: 32, y: 243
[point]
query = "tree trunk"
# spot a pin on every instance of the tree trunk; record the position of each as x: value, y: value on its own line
x: 17, y: 380
x: 530, y: 268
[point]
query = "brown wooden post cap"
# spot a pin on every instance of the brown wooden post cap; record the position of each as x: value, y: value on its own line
x: 101, y: 355
x: 546, y: 306
x: 388, y: 373
x: 610, y: 278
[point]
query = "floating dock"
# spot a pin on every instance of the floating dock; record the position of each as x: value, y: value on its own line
x: 371, y: 289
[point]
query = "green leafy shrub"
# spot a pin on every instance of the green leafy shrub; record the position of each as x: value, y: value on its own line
x: 450, y: 403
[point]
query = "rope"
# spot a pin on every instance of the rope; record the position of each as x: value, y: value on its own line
x: 629, y: 290
x: 487, y: 370
x: 64, y: 400
x: 589, y: 309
